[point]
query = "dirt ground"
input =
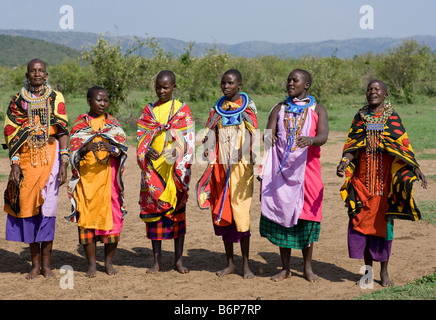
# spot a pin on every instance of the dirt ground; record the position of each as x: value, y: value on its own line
x: 413, y: 253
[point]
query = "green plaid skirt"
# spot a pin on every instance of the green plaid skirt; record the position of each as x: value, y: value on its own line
x: 299, y: 236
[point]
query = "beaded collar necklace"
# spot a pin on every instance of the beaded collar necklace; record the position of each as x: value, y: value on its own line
x: 232, y: 117
x: 296, y: 107
x: 38, y: 113
x: 374, y: 122
x: 374, y: 137
x: 27, y: 95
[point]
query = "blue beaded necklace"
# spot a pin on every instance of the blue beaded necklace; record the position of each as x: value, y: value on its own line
x: 232, y: 117
x: 296, y: 108
x: 297, y: 114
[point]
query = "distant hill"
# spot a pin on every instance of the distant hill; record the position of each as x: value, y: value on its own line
x: 340, y: 48
x: 15, y: 50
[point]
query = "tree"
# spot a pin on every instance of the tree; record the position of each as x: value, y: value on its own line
x: 115, y: 71
x: 403, y: 68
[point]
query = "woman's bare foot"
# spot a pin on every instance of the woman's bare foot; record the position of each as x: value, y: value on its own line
x: 281, y: 275
x: 181, y: 268
x: 47, y: 272
x: 385, y: 280
x: 155, y: 268
x: 92, y: 271
x: 310, y: 276
x: 34, y: 273
x: 110, y: 270
x: 227, y: 270
x: 247, y: 273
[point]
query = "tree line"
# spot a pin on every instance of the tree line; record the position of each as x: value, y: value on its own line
x: 407, y: 69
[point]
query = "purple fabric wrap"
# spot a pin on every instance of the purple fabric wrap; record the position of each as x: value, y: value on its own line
x: 283, y: 193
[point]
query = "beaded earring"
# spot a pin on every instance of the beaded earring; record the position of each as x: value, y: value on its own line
x: 26, y: 82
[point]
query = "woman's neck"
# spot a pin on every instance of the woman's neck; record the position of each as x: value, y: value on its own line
x: 36, y: 90
x: 376, y: 108
x: 235, y: 98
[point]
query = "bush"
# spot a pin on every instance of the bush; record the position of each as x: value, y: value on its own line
x: 70, y: 77
x: 405, y: 69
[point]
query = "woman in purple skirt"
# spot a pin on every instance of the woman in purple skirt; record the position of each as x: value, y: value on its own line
x: 36, y: 133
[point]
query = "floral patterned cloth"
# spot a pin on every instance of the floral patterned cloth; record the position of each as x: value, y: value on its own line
x: 179, y: 128
x: 82, y: 134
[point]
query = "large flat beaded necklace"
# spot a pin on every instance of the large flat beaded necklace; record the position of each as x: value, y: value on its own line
x: 232, y: 117
x: 38, y: 112
x: 374, y: 134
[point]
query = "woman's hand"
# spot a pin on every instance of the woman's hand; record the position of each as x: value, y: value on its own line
x: 104, y: 146
x: 303, y: 141
x: 63, y: 173
x: 346, y: 159
x: 421, y: 176
x: 96, y: 146
x: 340, y: 170
x: 152, y: 154
x: 14, y: 175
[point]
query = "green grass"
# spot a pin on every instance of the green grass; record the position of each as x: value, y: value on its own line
x: 428, y: 210
x: 420, y: 289
x: 417, y: 118
x: 423, y: 288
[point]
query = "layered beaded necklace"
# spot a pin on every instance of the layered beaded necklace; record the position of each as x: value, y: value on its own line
x: 38, y: 112
x: 374, y: 159
x: 294, y: 120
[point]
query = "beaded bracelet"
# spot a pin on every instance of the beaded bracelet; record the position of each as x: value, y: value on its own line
x: 15, y: 160
x: 65, y: 155
x: 115, y: 151
x: 311, y: 141
x: 345, y: 159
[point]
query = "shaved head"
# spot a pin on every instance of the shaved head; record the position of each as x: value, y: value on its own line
x: 36, y: 60
x: 307, y: 76
x: 381, y: 83
x: 167, y: 74
x: 234, y: 72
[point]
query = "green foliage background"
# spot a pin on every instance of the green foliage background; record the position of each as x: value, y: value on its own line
x: 408, y: 70
x: 338, y: 84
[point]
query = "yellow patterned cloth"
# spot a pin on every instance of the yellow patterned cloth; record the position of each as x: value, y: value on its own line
x: 17, y: 133
x: 165, y: 181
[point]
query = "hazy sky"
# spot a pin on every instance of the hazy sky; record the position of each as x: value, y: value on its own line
x: 228, y: 21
